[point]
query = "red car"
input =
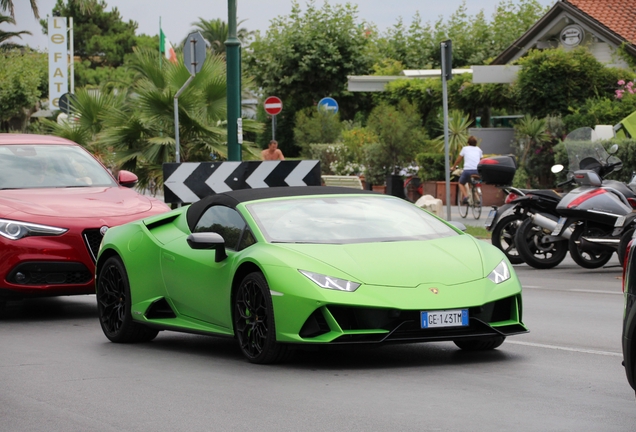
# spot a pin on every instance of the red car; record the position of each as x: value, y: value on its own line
x: 56, y: 203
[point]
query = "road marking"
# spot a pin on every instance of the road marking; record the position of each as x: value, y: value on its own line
x: 561, y: 348
x: 573, y: 290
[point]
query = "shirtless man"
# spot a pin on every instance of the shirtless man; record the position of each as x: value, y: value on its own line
x: 272, y: 152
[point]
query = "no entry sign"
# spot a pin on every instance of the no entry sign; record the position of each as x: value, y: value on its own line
x: 273, y: 105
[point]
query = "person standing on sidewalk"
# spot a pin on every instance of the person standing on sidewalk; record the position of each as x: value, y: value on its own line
x: 471, y: 154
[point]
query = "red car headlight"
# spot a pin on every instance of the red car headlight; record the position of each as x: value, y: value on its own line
x: 15, y: 230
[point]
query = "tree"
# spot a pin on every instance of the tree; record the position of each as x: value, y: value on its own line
x: 400, y: 135
x: 308, y: 55
x: 216, y: 31
x: 553, y: 81
x: 23, y: 81
x: 139, y: 126
x: 8, y: 5
x: 86, y: 5
x: 458, y: 124
x: 8, y: 35
x: 315, y: 126
x: 475, y: 39
x: 101, y: 38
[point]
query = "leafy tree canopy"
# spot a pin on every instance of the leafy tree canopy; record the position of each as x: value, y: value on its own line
x: 100, y: 37
x: 23, y: 80
x: 475, y: 39
x: 308, y: 55
x: 556, y: 81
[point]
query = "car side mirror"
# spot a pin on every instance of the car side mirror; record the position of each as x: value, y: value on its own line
x: 208, y: 240
x: 127, y: 179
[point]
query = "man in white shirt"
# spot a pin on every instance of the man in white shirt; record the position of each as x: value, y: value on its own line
x: 471, y: 154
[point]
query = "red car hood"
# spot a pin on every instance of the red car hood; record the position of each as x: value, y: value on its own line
x: 74, y: 202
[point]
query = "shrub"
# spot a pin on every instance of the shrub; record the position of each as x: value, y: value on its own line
x: 432, y: 166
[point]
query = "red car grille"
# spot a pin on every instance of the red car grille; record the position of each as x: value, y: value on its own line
x: 92, y: 238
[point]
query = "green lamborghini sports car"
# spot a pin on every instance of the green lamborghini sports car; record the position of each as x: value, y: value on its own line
x: 276, y: 268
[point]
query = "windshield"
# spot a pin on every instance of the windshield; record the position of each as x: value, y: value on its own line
x: 345, y: 219
x: 50, y: 166
x: 583, y: 146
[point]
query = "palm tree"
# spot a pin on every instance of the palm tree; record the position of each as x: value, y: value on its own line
x: 458, y: 124
x: 8, y: 35
x: 138, y: 127
x: 216, y: 31
x: 8, y: 5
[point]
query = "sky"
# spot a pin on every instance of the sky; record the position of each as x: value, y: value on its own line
x: 177, y: 16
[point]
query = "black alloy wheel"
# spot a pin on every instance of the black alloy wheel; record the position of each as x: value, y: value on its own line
x: 588, y: 259
x: 114, y: 305
x: 534, y: 252
x: 503, y: 237
x: 254, y: 325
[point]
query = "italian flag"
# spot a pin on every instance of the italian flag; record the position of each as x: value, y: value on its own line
x: 166, y: 47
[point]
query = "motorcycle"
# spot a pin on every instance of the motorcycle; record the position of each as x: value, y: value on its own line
x: 505, y: 221
x: 536, y: 247
x: 590, y: 212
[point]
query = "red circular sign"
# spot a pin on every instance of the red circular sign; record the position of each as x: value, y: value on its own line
x: 273, y: 105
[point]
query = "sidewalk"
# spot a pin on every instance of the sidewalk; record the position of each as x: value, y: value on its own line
x: 470, y: 219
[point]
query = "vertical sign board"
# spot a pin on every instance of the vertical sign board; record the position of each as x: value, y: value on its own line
x: 58, y: 60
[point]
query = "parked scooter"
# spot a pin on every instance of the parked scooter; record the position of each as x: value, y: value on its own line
x: 590, y: 212
x: 535, y: 245
x: 504, y: 221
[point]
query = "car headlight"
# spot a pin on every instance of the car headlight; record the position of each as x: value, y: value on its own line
x: 15, y: 230
x: 329, y: 282
x: 500, y: 274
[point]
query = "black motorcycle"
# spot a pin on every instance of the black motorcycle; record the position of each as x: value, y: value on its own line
x: 590, y: 212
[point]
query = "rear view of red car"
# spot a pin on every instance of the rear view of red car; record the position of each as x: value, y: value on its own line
x: 56, y: 203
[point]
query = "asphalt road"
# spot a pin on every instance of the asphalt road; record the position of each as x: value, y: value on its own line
x: 59, y: 373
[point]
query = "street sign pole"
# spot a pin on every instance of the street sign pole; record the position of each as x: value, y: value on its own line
x: 446, y: 72
x: 193, y: 58
x: 273, y: 106
x: 233, y: 64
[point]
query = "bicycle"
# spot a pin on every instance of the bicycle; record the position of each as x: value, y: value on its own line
x: 473, y: 187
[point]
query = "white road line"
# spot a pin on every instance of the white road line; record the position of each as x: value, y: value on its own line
x: 555, y: 347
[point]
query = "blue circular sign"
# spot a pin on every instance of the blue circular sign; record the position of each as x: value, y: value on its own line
x: 328, y: 104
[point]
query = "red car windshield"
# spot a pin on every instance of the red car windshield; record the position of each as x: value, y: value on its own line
x: 50, y: 166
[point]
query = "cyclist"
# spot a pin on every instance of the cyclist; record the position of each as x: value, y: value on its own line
x: 471, y: 154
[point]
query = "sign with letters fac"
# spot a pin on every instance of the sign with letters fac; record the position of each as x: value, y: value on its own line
x: 58, y: 60
x: 188, y: 182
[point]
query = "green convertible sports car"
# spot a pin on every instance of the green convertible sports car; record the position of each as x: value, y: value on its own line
x: 314, y: 265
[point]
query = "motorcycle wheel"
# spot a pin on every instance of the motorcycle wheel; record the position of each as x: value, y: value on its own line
x: 533, y: 252
x: 622, y: 246
x: 503, y: 237
x: 588, y: 260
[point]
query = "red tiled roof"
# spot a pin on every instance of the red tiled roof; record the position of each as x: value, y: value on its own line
x: 618, y: 16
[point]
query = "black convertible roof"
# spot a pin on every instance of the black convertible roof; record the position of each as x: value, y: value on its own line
x: 233, y: 198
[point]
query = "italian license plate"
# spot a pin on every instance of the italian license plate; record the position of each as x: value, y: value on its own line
x: 491, y: 216
x: 559, y: 227
x: 446, y: 318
